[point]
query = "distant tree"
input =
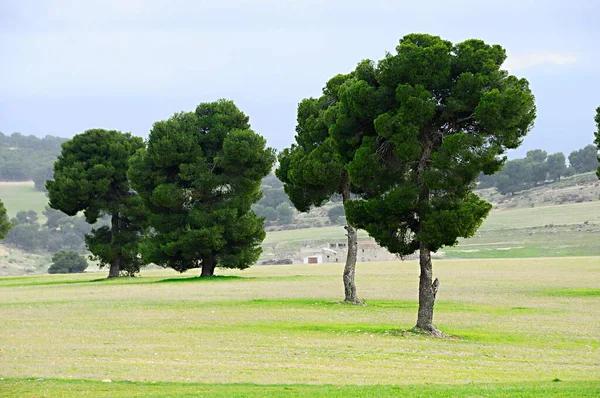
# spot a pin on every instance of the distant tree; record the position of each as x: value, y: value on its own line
x: 537, y: 172
x: 597, y: 141
x: 556, y: 166
x: 53, y: 218
x: 513, y: 177
x: 90, y: 175
x: 273, y: 197
x: 5, y: 225
x: 41, y: 175
x: 16, y: 170
x: 67, y: 262
x: 443, y: 114
x: 25, y: 217
x: 335, y: 213
x: 536, y: 155
x: 28, y: 237
x: 285, y: 214
x: 199, y: 178
x: 585, y: 159
x: 268, y: 213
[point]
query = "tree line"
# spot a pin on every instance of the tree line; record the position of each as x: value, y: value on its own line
x: 538, y: 168
x: 28, y: 158
x: 402, y: 141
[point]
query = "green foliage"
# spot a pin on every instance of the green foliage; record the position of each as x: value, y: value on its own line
x: 285, y: 214
x: 90, y: 175
x: 24, y: 158
x: 335, y: 214
x: 67, y: 262
x: 5, y: 225
x: 597, y: 135
x: 556, y: 166
x: 521, y: 174
x: 585, y: 159
x: 314, y: 168
x: 59, y: 232
x: 199, y: 178
x: 442, y: 114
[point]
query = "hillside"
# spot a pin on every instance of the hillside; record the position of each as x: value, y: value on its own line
x: 554, y: 220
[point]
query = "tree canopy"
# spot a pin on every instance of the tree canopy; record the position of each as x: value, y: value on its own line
x: 5, y: 225
x: 442, y: 113
x: 314, y: 168
x: 90, y: 175
x: 597, y: 141
x: 584, y: 160
x: 199, y: 178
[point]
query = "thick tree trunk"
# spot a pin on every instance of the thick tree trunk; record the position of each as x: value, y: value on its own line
x: 208, y: 266
x: 350, y: 295
x: 115, y: 265
x: 427, y: 292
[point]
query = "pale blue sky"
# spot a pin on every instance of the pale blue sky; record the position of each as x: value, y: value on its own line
x: 66, y: 66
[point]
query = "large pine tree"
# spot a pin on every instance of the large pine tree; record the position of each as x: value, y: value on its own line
x: 90, y: 175
x: 442, y: 113
x: 199, y: 177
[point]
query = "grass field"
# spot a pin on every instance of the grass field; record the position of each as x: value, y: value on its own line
x: 18, y: 196
x: 522, y: 327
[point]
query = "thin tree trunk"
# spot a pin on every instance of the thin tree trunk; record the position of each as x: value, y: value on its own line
x: 350, y: 295
x: 208, y: 266
x: 115, y: 265
x: 427, y: 288
x: 427, y: 292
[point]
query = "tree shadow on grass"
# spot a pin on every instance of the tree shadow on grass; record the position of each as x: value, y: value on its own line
x: 215, y: 278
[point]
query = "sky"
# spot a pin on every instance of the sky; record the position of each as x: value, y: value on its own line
x: 68, y: 66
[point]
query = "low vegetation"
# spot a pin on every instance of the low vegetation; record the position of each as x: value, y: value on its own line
x: 274, y: 325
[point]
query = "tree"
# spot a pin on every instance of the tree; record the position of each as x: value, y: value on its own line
x: 536, y: 155
x: 90, y: 175
x: 5, y: 225
x: 335, y: 213
x: 556, y: 166
x: 314, y: 168
x: 285, y: 214
x: 597, y: 134
x: 442, y: 114
x: 40, y: 176
x: 199, y: 178
x: 67, y: 262
x: 585, y: 159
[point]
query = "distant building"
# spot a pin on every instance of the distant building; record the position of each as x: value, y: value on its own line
x: 338, y: 251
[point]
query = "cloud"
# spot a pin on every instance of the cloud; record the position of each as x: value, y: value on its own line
x: 533, y: 59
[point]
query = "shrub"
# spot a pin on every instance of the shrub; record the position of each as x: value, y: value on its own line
x: 67, y: 262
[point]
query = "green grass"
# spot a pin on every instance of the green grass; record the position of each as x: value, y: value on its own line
x: 20, y: 196
x: 82, y: 388
x: 551, y: 231
x: 282, y: 331
x: 573, y: 213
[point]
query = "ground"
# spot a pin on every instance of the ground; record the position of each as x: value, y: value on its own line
x: 523, y: 327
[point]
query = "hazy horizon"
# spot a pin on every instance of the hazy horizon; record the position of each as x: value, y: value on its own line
x: 71, y: 66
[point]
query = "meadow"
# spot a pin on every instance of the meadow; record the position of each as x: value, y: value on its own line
x: 524, y: 327
x: 22, y: 196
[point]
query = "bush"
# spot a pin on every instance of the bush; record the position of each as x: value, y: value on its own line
x: 67, y: 262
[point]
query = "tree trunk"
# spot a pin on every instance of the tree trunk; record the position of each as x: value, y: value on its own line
x: 427, y: 292
x: 208, y: 266
x: 115, y: 265
x: 350, y: 295
x: 427, y: 288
